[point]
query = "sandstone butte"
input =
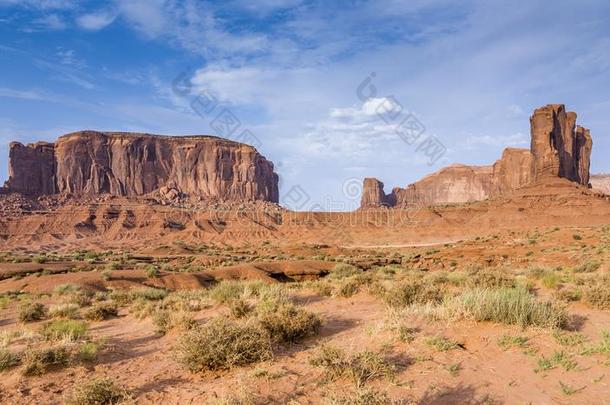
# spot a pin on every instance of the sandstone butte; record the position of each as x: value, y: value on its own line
x: 559, y: 148
x: 133, y: 164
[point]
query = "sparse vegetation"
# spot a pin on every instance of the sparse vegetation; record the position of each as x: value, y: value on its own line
x: 223, y: 344
x: 8, y: 359
x: 508, y: 341
x: 360, y: 367
x: 98, y: 391
x: 39, y: 361
x: 289, y: 323
x: 67, y: 329
x: 101, y: 311
x: 442, y: 344
x: 32, y: 311
x: 511, y: 306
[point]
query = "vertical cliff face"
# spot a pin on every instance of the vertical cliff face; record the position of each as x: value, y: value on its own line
x: 126, y: 164
x: 373, y: 194
x: 511, y: 171
x: 31, y: 168
x: 559, y: 148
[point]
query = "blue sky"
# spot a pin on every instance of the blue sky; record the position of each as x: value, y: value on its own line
x: 471, y: 72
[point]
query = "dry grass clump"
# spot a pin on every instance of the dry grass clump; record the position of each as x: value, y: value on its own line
x: 240, y: 308
x: 101, y: 311
x: 489, y: 277
x: 66, y: 310
x: 64, y: 329
x: 362, y: 396
x: 223, y: 344
x: 511, y: 306
x: 442, y: 344
x: 598, y: 294
x: 166, y: 320
x: 39, y: 361
x: 289, y: 323
x: 98, y: 391
x: 227, y: 291
x: 412, y: 292
x: 360, y: 367
x: 8, y: 359
x: 31, y: 311
x: 344, y: 270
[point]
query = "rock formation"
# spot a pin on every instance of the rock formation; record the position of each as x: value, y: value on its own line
x: 129, y: 164
x: 372, y: 194
x: 559, y: 148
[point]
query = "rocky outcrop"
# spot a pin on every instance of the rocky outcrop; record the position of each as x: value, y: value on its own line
x: 559, y: 148
x: 453, y: 184
x: 511, y: 171
x: 129, y: 164
x: 31, y: 168
x: 373, y: 194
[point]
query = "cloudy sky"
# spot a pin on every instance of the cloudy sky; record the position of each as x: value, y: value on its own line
x: 331, y: 91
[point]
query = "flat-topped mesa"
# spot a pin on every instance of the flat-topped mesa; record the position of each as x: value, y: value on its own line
x: 559, y: 148
x: 132, y: 164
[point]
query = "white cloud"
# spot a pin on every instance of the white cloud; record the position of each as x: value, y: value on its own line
x: 50, y: 22
x: 95, y: 21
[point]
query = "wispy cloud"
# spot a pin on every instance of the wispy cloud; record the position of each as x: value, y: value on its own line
x: 95, y: 21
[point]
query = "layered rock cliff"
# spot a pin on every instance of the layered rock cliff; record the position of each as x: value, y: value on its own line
x: 559, y: 148
x: 129, y: 164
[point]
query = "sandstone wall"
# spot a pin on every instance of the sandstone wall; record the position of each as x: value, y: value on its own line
x: 559, y: 148
x: 127, y: 164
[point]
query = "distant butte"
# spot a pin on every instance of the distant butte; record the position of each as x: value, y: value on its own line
x: 559, y: 148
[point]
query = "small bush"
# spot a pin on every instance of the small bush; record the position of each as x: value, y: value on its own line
x: 362, y: 396
x: 344, y: 270
x: 598, y: 295
x: 64, y: 329
x: 152, y: 271
x: 148, y: 294
x: 221, y: 344
x: 577, y: 237
x: 39, y: 361
x: 8, y: 360
x: 489, y: 278
x: 508, y: 341
x: 101, y: 311
x: 31, y: 311
x: 69, y: 311
x: 588, y: 267
x: 569, y: 338
x: 89, y: 351
x: 413, y: 292
x: 98, y: 391
x: 64, y: 289
x: 227, y: 291
x: 442, y: 344
x: 106, y: 275
x: 511, y: 306
x: 290, y: 323
x: 360, y: 367
x: 348, y: 288
x: 240, y: 308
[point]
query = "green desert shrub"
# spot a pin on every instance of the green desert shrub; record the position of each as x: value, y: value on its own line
x: 587, y: 267
x: 489, y: 277
x: 290, y: 323
x: 511, y: 306
x: 240, y: 308
x: 64, y: 329
x: 223, y: 344
x: 31, y: 311
x: 98, y: 391
x: 88, y: 351
x: 152, y: 271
